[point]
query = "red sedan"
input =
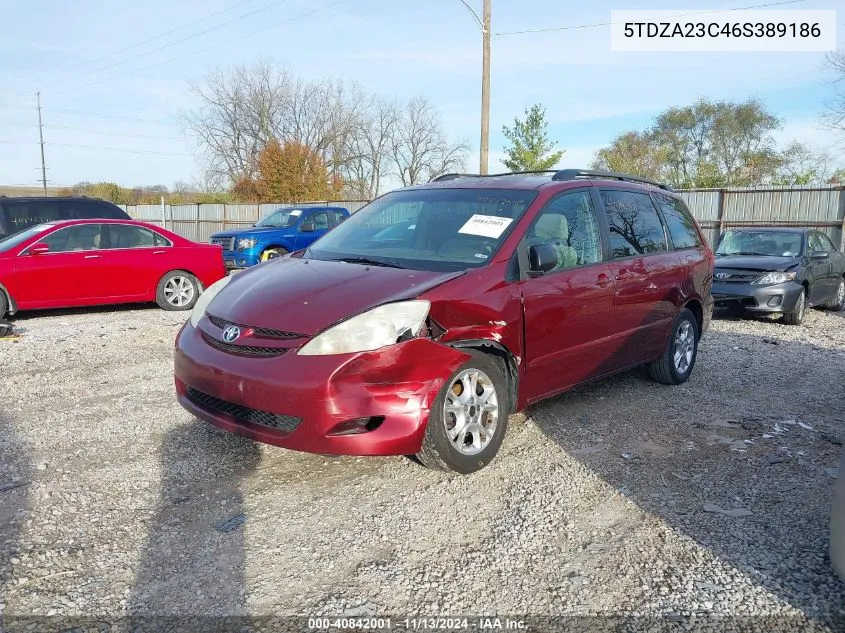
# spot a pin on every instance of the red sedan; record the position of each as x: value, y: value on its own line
x: 99, y: 262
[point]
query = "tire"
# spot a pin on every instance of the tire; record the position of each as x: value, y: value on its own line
x: 177, y: 290
x: 796, y: 315
x: 442, y: 453
x: 836, y: 303
x: 675, y: 366
x: 4, y: 304
x: 272, y: 253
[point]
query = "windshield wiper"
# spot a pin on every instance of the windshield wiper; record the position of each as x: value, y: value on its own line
x: 750, y: 254
x: 367, y: 261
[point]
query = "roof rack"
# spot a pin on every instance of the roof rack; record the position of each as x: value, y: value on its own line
x: 572, y: 174
x: 507, y: 173
x: 561, y: 175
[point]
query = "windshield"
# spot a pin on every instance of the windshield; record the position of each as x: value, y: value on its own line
x: 11, y: 241
x: 770, y: 243
x: 280, y: 218
x: 427, y: 229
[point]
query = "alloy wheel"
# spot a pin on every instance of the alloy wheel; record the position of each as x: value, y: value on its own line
x: 471, y: 411
x: 684, y: 346
x: 179, y: 291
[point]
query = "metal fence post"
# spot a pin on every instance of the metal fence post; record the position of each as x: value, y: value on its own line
x: 721, y: 212
x: 842, y: 217
x: 197, y: 224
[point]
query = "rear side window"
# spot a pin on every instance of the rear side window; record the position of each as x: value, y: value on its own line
x: 338, y: 217
x: 635, y: 226
x: 128, y: 236
x: 160, y: 240
x: 22, y: 215
x: 88, y: 209
x: 679, y: 222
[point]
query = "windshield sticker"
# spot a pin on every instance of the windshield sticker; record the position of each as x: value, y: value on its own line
x: 481, y: 256
x: 296, y: 212
x: 486, y: 226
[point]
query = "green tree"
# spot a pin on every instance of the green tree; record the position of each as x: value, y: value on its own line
x: 530, y: 148
x: 633, y: 153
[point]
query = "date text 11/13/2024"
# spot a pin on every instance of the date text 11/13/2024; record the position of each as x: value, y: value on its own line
x: 417, y: 624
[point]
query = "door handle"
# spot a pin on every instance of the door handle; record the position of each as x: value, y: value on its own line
x: 159, y: 252
x: 92, y: 257
x: 603, y: 281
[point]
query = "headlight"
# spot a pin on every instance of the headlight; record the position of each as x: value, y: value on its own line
x: 205, y: 298
x: 379, y: 327
x: 775, y: 278
x: 246, y: 242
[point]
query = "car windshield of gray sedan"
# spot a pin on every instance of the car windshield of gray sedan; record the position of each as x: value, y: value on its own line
x: 426, y: 229
x: 10, y: 242
x: 761, y: 243
x: 280, y: 218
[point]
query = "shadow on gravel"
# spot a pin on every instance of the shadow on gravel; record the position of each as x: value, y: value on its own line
x: 193, y: 561
x: 123, y: 307
x: 685, y: 448
x: 15, y: 478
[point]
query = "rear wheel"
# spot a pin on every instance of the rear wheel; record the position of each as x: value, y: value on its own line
x: 837, y: 302
x: 177, y: 290
x: 469, y: 418
x: 273, y: 253
x: 675, y: 366
x: 796, y: 315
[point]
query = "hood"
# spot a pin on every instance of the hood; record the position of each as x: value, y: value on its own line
x: 763, y: 263
x: 309, y: 295
x: 252, y: 230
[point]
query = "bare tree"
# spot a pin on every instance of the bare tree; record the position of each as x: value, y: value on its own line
x: 419, y: 146
x: 835, y: 115
x: 361, y: 138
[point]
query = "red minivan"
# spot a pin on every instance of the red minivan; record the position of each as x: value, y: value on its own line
x: 419, y: 324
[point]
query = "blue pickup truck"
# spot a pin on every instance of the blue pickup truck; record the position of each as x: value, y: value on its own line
x: 283, y: 231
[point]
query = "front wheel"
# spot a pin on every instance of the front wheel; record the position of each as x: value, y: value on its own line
x: 4, y: 304
x: 675, y: 366
x: 469, y: 418
x: 273, y: 253
x: 796, y: 315
x: 177, y: 290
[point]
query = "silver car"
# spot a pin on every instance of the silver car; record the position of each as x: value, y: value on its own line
x: 837, y: 523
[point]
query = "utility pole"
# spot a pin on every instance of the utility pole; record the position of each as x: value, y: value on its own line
x: 485, y: 88
x: 41, y: 142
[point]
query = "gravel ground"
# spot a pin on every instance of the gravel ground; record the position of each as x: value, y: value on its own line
x: 620, y: 498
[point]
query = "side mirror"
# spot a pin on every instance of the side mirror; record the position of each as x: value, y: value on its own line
x: 541, y: 259
x: 819, y: 255
x: 39, y: 248
x: 307, y: 227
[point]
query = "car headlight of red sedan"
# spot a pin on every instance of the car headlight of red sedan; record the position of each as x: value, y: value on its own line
x: 205, y: 298
x: 379, y: 327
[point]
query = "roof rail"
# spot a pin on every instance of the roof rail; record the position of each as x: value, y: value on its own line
x: 507, y: 173
x: 572, y: 174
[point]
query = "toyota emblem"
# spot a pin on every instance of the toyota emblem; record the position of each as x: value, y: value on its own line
x: 231, y: 333
x: 723, y: 275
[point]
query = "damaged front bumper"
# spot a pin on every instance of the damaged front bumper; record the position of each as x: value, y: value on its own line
x: 367, y: 403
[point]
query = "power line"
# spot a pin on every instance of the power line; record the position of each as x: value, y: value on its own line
x: 202, y: 50
x: 41, y: 143
x: 50, y: 126
x: 128, y: 48
x: 93, y: 115
x: 589, y: 26
x: 125, y: 150
x: 164, y: 46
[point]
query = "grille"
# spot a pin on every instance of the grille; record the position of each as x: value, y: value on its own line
x: 285, y: 423
x: 245, y: 350
x: 736, y: 276
x: 222, y: 323
x: 228, y: 243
